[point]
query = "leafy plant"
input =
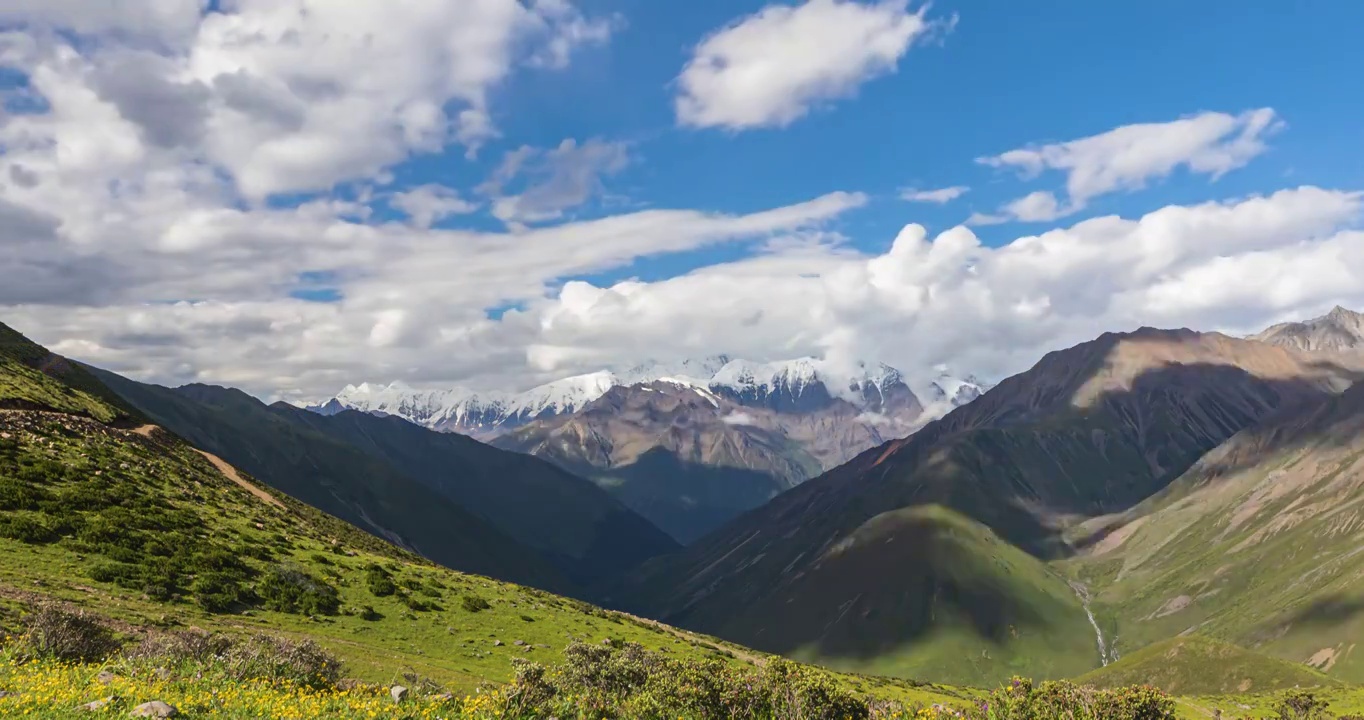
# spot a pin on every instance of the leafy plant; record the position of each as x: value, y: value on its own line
x: 474, y: 603
x: 292, y: 590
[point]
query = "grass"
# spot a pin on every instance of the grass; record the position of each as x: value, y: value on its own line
x: 1193, y: 665
x: 977, y: 610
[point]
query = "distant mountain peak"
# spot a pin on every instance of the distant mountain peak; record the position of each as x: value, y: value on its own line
x: 1340, y: 330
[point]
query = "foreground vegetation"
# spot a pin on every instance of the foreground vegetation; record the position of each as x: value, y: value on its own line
x: 61, y: 663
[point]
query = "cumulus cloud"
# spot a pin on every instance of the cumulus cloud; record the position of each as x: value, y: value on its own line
x: 168, y: 22
x: 940, y: 196
x: 770, y: 68
x: 290, y: 96
x: 1128, y: 157
x: 992, y: 310
x: 553, y: 181
x: 430, y: 203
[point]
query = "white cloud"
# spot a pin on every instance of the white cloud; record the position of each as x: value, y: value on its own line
x: 127, y: 242
x: 554, y: 180
x: 1040, y: 206
x: 1127, y: 157
x: 739, y: 418
x: 162, y: 21
x: 989, y: 310
x: 430, y: 203
x: 772, y: 67
x: 293, y: 96
x: 940, y: 196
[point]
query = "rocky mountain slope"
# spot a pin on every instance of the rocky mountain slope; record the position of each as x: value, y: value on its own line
x: 1340, y: 330
x: 690, y: 455
x: 1092, y: 429
x: 683, y: 457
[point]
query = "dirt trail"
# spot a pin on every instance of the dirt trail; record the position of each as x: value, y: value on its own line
x: 228, y: 471
x: 231, y: 474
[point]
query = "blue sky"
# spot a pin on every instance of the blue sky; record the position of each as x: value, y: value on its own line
x: 1007, y: 75
x: 502, y: 193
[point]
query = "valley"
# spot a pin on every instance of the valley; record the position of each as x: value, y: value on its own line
x: 1166, y: 507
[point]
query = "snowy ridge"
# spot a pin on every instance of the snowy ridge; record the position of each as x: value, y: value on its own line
x: 794, y: 385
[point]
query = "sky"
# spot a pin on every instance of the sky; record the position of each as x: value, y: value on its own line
x: 289, y: 196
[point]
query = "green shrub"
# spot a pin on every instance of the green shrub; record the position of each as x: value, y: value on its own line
x: 474, y: 603
x: 19, y: 495
x: 1021, y: 700
x: 26, y: 529
x: 627, y: 681
x: 290, y: 589
x: 218, y: 592
x: 380, y: 582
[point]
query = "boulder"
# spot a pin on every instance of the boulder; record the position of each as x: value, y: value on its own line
x: 398, y: 693
x: 99, y: 704
x: 154, y: 709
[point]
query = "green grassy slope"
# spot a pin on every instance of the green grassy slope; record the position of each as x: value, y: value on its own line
x: 32, y: 376
x: 338, y: 479
x: 157, y: 497
x: 1193, y: 665
x: 925, y: 592
x: 584, y: 530
x: 1258, y: 544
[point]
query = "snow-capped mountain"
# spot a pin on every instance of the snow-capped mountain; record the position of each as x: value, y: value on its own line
x: 955, y: 391
x: 795, y: 386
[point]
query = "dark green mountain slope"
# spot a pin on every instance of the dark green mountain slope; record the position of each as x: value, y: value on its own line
x: 337, y: 479
x: 568, y: 519
x: 1088, y: 430
x: 1260, y: 543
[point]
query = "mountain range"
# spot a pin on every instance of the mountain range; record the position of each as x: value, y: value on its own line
x: 1151, y: 491
x: 789, y: 385
x: 942, y: 554
x: 687, y: 445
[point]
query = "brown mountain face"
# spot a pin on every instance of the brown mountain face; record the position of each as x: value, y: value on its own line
x: 1088, y: 430
x: 689, y: 459
x: 1340, y: 330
